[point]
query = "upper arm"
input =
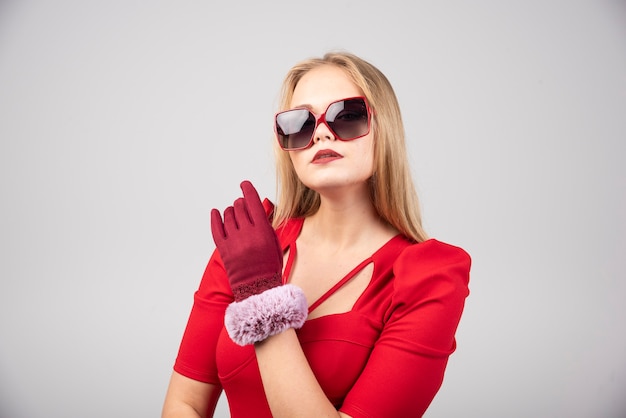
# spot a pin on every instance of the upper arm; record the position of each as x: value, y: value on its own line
x: 190, y: 398
x: 194, y: 386
x: 196, y: 357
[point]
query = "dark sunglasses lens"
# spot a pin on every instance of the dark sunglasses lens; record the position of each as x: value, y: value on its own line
x: 348, y: 118
x: 295, y: 128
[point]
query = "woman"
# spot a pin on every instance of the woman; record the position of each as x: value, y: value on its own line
x: 343, y: 307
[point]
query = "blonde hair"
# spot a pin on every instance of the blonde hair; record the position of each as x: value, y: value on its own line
x: 391, y: 187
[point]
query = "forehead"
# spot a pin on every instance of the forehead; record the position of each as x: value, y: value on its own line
x: 322, y: 86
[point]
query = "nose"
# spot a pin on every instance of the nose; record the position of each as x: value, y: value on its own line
x: 323, y: 132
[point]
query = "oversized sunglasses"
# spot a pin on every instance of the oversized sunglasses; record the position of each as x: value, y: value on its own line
x: 347, y: 119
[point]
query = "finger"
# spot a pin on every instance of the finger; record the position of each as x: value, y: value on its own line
x: 241, y: 212
x: 253, y: 202
x: 230, y: 222
x: 217, y: 227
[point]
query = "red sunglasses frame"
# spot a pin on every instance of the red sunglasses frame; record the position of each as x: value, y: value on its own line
x: 319, y: 119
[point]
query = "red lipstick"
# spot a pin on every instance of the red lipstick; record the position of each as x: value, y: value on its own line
x: 325, y: 156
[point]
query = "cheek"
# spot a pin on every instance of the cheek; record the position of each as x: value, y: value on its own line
x: 367, y: 156
x: 297, y: 159
x: 293, y: 158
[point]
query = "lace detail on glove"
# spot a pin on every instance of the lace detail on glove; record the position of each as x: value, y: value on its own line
x: 256, y: 286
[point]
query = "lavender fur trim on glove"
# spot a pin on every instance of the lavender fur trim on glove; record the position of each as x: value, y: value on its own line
x: 269, y: 313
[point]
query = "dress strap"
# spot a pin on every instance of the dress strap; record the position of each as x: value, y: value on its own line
x: 339, y: 284
x: 290, y: 258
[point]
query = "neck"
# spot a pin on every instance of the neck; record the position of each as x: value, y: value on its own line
x: 344, y: 218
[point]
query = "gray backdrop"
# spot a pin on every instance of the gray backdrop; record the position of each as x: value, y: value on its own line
x: 122, y: 123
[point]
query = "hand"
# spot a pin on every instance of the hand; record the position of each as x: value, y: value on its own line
x: 248, y: 245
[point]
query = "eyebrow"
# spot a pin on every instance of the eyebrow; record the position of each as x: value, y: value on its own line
x: 305, y: 105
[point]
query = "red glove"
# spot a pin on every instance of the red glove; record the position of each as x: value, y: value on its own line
x: 248, y: 245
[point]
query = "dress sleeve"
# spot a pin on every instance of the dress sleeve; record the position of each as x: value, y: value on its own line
x: 196, y: 355
x: 407, y: 364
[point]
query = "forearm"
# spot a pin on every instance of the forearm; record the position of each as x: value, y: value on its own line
x: 290, y: 386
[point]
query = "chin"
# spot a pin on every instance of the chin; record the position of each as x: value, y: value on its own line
x: 330, y: 184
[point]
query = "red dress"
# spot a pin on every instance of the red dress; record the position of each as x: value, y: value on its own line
x: 384, y: 358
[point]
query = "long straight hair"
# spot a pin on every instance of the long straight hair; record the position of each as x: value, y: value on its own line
x: 391, y: 186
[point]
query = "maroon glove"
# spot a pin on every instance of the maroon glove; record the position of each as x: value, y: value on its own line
x: 248, y: 245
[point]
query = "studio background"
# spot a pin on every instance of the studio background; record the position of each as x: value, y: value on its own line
x: 122, y: 123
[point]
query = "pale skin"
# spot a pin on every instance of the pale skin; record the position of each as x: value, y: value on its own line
x: 344, y: 231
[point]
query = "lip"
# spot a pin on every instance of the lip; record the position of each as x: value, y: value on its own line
x: 325, y: 156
